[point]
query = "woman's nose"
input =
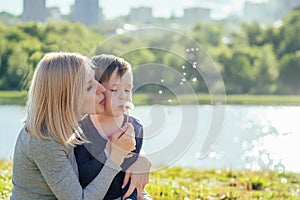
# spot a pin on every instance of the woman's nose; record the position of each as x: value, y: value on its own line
x: 100, y: 88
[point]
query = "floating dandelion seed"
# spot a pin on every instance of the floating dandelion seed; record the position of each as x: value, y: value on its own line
x: 182, y: 81
x: 170, y: 100
x: 128, y: 106
x: 192, y: 49
x: 183, y: 67
x: 195, y: 65
x: 159, y: 92
x: 184, y: 73
x: 194, y: 79
x: 187, y: 50
x: 162, y: 80
x: 197, y: 49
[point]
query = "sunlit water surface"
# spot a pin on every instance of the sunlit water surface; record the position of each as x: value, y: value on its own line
x: 252, y: 137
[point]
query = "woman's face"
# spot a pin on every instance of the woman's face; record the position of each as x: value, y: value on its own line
x: 94, y: 95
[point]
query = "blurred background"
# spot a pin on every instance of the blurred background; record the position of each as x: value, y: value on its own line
x: 255, y: 44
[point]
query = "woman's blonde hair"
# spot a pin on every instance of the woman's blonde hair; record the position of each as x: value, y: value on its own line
x: 56, y: 96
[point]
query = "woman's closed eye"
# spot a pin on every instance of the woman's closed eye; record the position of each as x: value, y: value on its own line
x: 89, y: 88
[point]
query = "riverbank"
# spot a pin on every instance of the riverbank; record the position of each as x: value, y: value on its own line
x: 19, y: 98
x: 191, y: 183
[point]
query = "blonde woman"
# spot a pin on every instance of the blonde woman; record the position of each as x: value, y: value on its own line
x: 62, y: 91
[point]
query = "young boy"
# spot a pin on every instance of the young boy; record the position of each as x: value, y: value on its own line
x: 115, y: 75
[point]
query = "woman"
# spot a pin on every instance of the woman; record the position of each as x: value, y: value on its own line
x: 62, y: 91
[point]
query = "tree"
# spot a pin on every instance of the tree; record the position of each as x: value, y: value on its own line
x: 289, y: 34
x: 267, y: 71
x: 289, y: 74
x: 254, y: 33
x: 241, y: 74
x: 18, y: 69
x: 207, y: 34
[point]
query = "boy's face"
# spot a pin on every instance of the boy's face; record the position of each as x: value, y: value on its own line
x: 118, y: 92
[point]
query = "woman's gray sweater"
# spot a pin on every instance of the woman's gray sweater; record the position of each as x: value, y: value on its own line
x: 45, y: 169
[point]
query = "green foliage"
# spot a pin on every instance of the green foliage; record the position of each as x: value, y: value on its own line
x: 210, y: 34
x: 254, y: 33
x: 5, y: 179
x: 254, y: 59
x: 267, y: 71
x: 23, y: 45
x: 289, y: 73
x: 289, y: 34
x: 191, y: 183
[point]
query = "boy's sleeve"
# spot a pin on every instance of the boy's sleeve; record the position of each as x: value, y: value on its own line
x: 139, y: 139
x: 88, y: 166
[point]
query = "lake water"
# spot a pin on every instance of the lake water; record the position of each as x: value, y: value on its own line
x: 236, y: 137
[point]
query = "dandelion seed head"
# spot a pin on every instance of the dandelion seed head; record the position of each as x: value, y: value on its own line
x: 129, y: 105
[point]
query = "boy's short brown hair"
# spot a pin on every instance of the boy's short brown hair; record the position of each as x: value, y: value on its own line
x: 106, y: 64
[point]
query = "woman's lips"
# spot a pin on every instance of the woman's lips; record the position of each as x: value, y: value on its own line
x: 102, y: 101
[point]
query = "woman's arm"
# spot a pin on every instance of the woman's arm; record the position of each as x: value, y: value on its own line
x: 89, y: 164
x: 54, y: 163
x: 138, y: 173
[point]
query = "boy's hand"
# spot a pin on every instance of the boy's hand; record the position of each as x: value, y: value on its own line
x: 122, y: 143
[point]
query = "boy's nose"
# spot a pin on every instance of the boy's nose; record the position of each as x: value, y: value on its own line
x: 123, y: 94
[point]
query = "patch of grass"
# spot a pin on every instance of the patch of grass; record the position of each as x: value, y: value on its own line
x: 206, y: 99
x: 13, y: 97
x: 195, y: 184
x: 5, y: 179
x: 19, y: 97
x: 188, y: 183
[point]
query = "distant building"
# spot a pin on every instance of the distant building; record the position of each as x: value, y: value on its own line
x: 279, y: 8
x: 34, y: 10
x: 141, y: 15
x: 192, y: 15
x: 86, y: 12
x: 53, y: 14
x: 268, y: 12
x: 257, y: 12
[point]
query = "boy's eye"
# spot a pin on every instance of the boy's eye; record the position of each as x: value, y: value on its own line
x: 127, y: 90
x: 113, y: 90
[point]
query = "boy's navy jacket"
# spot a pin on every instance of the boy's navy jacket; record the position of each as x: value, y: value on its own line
x: 90, y: 157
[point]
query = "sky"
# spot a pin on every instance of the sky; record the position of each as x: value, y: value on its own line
x: 160, y: 8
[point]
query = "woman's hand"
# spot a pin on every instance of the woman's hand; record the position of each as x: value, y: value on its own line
x: 138, y: 173
x: 122, y: 143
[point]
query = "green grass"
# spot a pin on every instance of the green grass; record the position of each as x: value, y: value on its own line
x: 19, y: 97
x: 5, y: 179
x: 206, y: 99
x: 189, y: 183
x: 13, y: 97
x: 195, y: 184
